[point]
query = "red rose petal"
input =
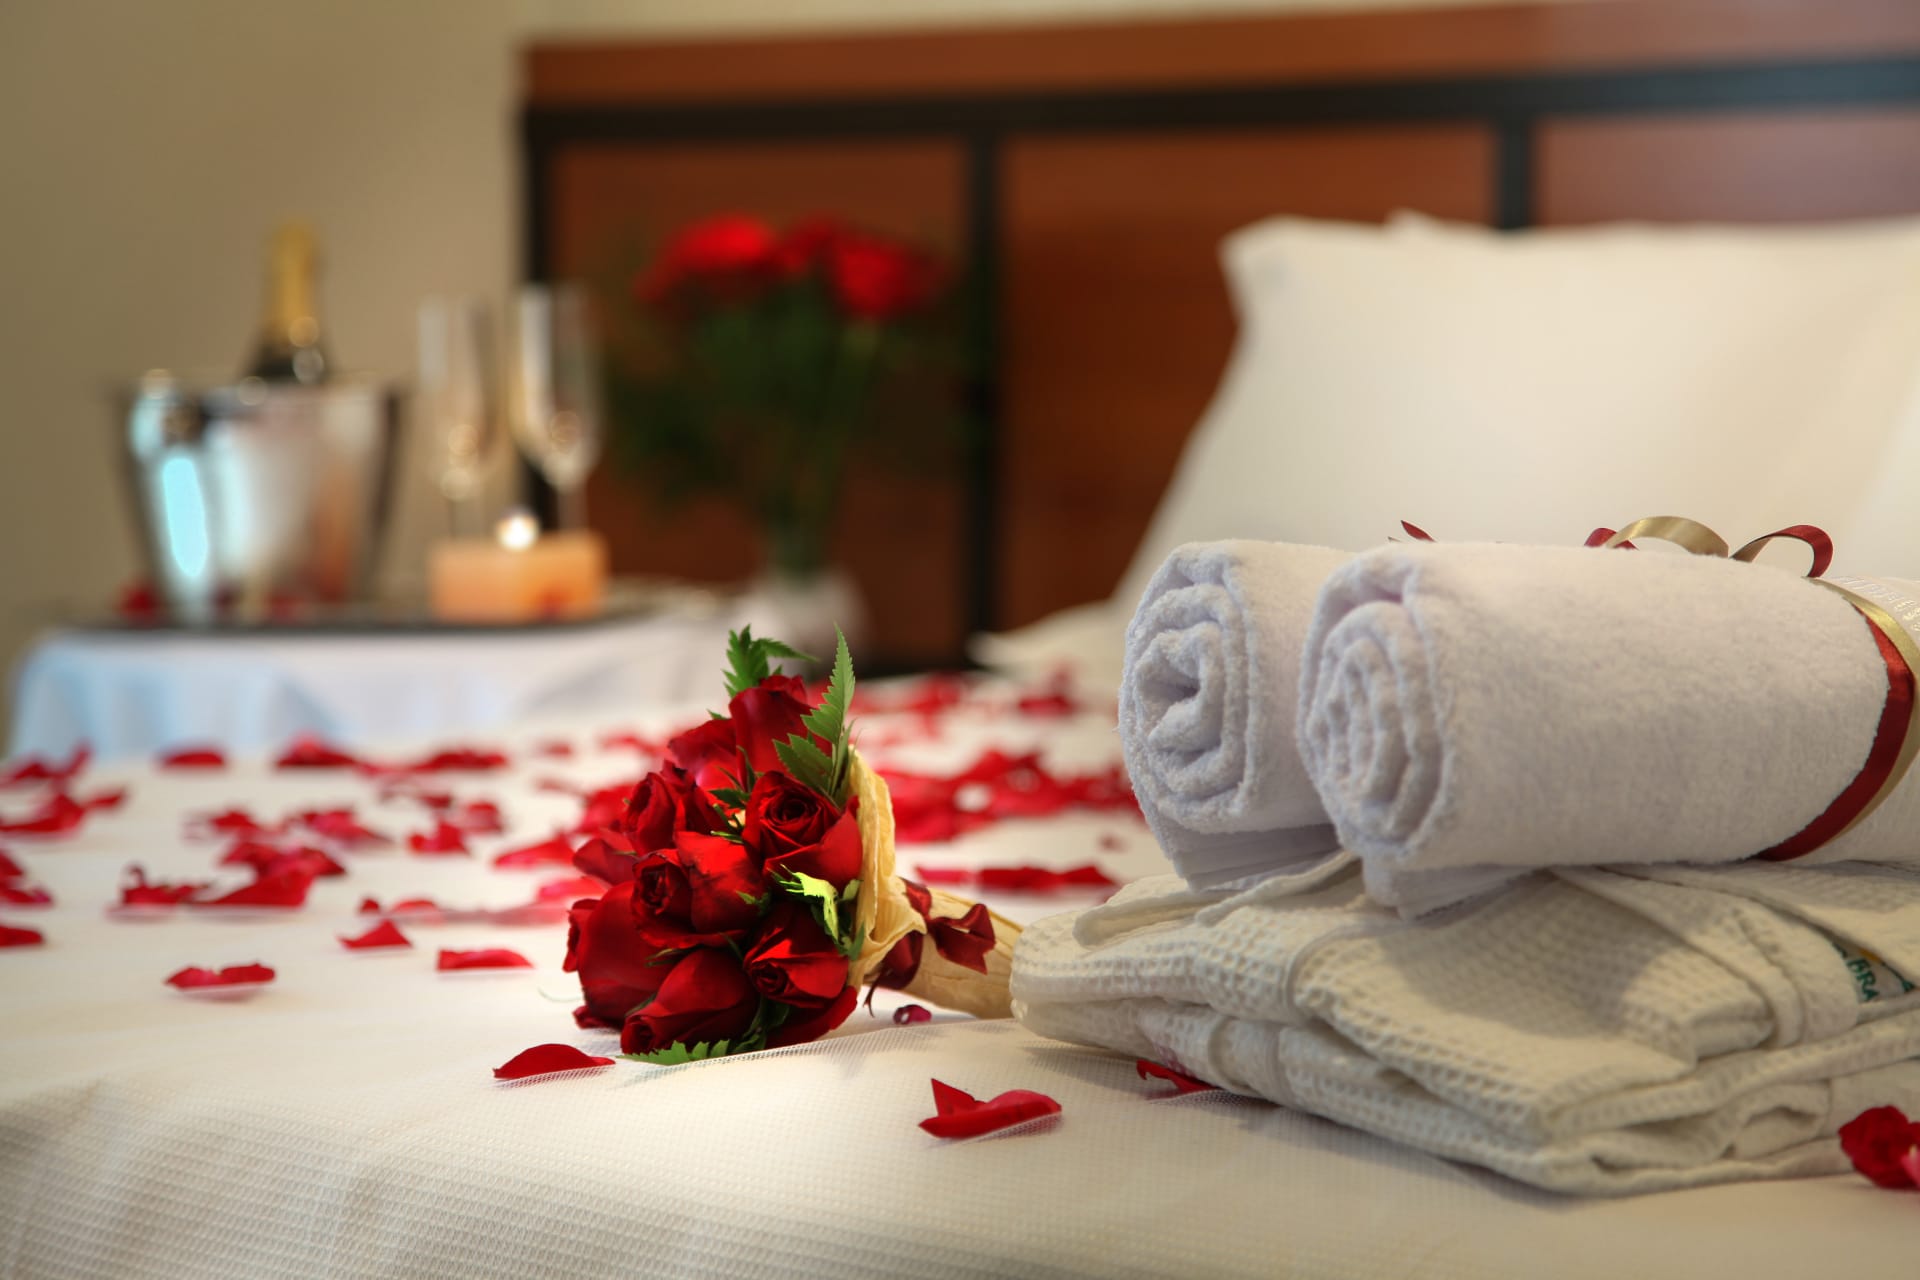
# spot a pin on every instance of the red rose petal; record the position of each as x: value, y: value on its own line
x: 20, y: 895
x: 341, y: 827
x: 238, y: 975
x: 8, y: 867
x: 11, y: 936
x: 105, y: 800
x: 569, y: 889
x: 554, y: 750
x: 961, y: 1115
x: 40, y: 769
x: 908, y: 1014
x: 313, y: 753
x: 286, y: 887
x: 384, y: 936
x: 545, y: 1060
x: 478, y: 818
x: 57, y: 815
x: 142, y: 893
x: 458, y: 759
x: 404, y: 907
x: 444, y: 838
x: 1878, y: 1141
x: 1180, y: 1080
x: 483, y: 958
x: 230, y: 822
x: 555, y: 850
x: 194, y: 758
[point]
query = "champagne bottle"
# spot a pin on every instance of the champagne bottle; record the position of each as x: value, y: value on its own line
x: 289, y: 348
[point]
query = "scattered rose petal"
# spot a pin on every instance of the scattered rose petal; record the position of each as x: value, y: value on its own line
x: 314, y: 753
x: 239, y: 979
x: 569, y: 889
x: 1879, y: 1142
x: 8, y: 867
x: 145, y: 894
x: 407, y: 789
x: 1055, y: 703
x: 20, y: 895
x: 341, y: 827
x: 444, y: 838
x: 12, y: 936
x: 283, y: 888
x: 57, y: 815
x: 103, y: 800
x: 634, y: 742
x: 307, y: 859
x: 908, y: 1014
x: 478, y: 818
x: 1180, y: 1080
x: 483, y: 958
x: 1043, y: 880
x: 545, y: 1060
x: 40, y: 769
x: 555, y: 850
x: 961, y: 1115
x: 554, y: 750
x: 560, y: 785
x: 404, y: 907
x: 384, y: 936
x: 229, y: 822
x: 194, y: 758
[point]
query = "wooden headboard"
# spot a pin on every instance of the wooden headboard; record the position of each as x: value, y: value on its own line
x: 1085, y: 175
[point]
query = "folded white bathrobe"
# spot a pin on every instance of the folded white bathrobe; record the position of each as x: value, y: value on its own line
x: 1470, y: 710
x: 1599, y: 1031
x: 1207, y: 704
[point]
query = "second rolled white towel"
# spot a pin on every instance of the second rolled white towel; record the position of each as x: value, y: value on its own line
x: 1468, y: 711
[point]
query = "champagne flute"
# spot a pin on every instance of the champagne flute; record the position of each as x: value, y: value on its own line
x: 556, y: 392
x: 457, y: 399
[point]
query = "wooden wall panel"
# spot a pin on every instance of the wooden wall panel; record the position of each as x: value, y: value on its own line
x: 1116, y: 318
x: 1769, y: 167
x: 902, y: 537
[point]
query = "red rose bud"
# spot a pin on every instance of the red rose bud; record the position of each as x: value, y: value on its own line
x: 1879, y: 1142
x: 704, y: 999
x: 663, y: 886
x: 804, y: 1027
x: 727, y: 255
x: 806, y: 246
x: 836, y: 859
x: 707, y: 753
x: 769, y: 712
x: 607, y: 856
x: 878, y: 280
x: 795, y: 962
x: 725, y: 884
x: 605, y: 948
x: 666, y: 801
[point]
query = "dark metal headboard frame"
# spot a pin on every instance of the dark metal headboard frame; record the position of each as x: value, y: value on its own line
x: 1512, y: 105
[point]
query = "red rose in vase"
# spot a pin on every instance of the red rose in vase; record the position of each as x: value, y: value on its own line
x: 880, y: 280
x: 730, y: 255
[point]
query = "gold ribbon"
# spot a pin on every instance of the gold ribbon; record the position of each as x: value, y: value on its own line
x: 1698, y: 539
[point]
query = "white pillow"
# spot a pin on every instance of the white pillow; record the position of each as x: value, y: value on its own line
x: 1533, y: 386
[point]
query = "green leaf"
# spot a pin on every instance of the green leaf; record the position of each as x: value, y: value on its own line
x: 756, y: 902
x: 750, y: 659
x: 675, y: 1054
x: 818, y: 894
x: 825, y: 771
x: 732, y: 797
x: 810, y: 766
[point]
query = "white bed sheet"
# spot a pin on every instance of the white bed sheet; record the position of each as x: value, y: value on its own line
x: 345, y: 1122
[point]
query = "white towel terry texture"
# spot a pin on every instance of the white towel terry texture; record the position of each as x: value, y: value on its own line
x: 1587, y: 732
x: 1587, y: 1030
x: 1207, y: 707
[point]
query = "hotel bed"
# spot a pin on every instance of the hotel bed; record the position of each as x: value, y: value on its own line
x: 345, y: 1121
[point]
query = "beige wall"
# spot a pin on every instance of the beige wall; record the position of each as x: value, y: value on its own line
x: 149, y: 145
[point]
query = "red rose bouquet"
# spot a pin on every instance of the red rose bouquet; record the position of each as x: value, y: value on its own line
x: 759, y: 357
x: 751, y: 886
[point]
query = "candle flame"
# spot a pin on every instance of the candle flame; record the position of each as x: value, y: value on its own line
x: 517, y: 531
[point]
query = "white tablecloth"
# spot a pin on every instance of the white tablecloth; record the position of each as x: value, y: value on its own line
x: 136, y: 693
x: 344, y: 1121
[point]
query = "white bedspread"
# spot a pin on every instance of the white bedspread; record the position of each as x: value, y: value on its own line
x: 344, y: 1121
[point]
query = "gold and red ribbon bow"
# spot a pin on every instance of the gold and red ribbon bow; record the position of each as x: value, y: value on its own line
x: 1896, y: 739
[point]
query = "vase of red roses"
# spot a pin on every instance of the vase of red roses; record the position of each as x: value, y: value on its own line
x: 768, y: 355
x: 751, y: 889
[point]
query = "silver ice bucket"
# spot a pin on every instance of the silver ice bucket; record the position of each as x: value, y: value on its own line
x: 251, y: 495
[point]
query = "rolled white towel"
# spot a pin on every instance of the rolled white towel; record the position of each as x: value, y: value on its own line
x: 1207, y: 703
x: 1468, y: 711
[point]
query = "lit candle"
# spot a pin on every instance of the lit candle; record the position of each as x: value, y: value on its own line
x: 518, y: 575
